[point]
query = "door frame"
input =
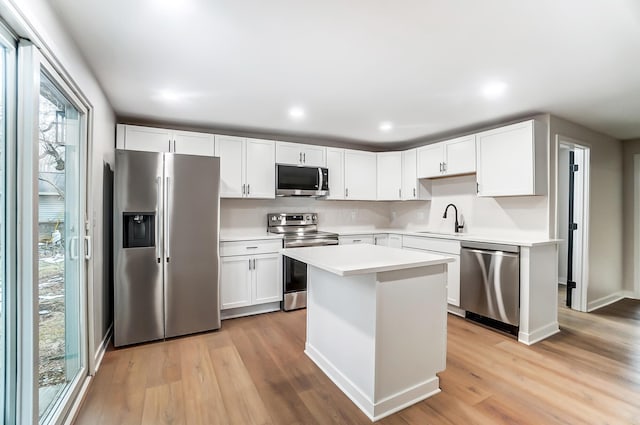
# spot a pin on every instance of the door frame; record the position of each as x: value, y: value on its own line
x: 636, y: 226
x: 581, y: 214
x: 31, y: 62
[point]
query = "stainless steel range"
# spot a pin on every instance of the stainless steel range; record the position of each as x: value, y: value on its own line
x: 298, y: 230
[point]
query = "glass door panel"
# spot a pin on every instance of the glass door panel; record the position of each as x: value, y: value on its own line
x: 60, y: 230
x: 3, y: 167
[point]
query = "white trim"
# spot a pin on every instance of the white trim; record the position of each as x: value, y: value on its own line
x: 605, y: 301
x: 538, y: 334
x: 582, y: 190
x: 374, y: 410
x: 251, y: 310
x: 456, y: 310
x: 102, y: 349
x: 636, y: 225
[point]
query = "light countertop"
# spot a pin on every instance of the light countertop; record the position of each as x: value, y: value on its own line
x: 226, y: 236
x: 501, y: 239
x: 349, y: 260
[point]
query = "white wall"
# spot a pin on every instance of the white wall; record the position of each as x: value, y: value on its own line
x: 521, y: 216
x: 50, y: 34
x: 631, y: 148
x: 250, y: 216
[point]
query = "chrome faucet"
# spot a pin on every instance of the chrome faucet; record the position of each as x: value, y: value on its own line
x: 458, y: 226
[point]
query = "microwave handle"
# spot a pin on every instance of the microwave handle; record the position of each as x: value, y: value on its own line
x: 321, y: 184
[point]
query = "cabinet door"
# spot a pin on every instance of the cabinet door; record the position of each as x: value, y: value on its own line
x: 267, y: 279
x: 505, y: 160
x: 359, y: 175
x: 410, y: 174
x: 231, y: 152
x: 260, y: 169
x: 288, y: 153
x: 389, y: 176
x: 395, y: 241
x: 382, y: 240
x: 235, y: 282
x: 430, y: 159
x: 314, y: 156
x: 191, y: 143
x: 147, y: 139
x: 335, y: 164
x: 460, y: 155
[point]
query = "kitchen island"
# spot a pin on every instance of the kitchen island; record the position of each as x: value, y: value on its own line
x: 376, y: 322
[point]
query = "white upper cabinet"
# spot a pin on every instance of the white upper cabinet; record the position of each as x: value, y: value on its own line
x: 448, y: 158
x: 460, y: 155
x: 260, y: 169
x: 299, y: 154
x: 191, y: 143
x: 150, y: 139
x: 412, y: 188
x: 512, y: 160
x: 137, y: 138
x: 430, y: 160
x: 335, y: 164
x: 359, y: 175
x: 389, y: 176
x: 247, y: 167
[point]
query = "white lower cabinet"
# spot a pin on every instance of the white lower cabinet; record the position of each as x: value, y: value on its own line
x: 442, y: 247
x: 395, y: 241
x: 381, y: 239
x: 353, y: 239
x: 250, y: 280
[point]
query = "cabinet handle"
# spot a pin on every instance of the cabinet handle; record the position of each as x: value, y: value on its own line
x: 243, y: 186
x: 441, y: 167
x: 357, y: 240
x: 414, y: 192
x: 444, y: 167
x: 300, y: 158
x: 399, y: 193
x: 252, y: 247
x: 249, y: 263
x: 304, y: 157
x: 254, y: 264
x: 346, y: 192
x: 248, y: 189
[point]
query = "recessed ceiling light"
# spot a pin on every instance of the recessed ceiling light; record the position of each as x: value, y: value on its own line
x: 386, y: 126
x: 494, y: 89
x: 169, y: 95
x: 296, y: 112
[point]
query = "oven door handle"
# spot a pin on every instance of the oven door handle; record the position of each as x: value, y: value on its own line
x: 306, y: 243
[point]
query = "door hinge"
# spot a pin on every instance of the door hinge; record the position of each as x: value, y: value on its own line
x: 573, y: 168
x: 573, y: 226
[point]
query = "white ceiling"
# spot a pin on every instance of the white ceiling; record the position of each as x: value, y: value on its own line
x: 420, y: 64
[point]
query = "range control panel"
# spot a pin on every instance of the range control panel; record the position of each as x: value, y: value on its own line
x: 295, y: 219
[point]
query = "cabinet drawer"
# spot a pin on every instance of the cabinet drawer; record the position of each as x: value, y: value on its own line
x: 353, y: 239
x: 250, y: 247
x: 431, y: 244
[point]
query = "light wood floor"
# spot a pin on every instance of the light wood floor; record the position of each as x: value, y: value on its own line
x: 253, y: 371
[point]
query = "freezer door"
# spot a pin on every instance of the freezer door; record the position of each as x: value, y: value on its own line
x: 191, y: 244
x: 138, y: 291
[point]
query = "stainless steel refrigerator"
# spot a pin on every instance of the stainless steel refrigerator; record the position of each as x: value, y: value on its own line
x: 166, y: 225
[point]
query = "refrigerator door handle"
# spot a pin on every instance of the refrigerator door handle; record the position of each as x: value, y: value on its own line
x: 87, y: 252
x: 159, y: 192
x: 167, y: 232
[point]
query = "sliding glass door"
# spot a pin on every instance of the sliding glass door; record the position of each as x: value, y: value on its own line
x: 54, y: 159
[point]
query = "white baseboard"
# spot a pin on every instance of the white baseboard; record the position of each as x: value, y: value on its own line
x: 99, y: 354
x: 233, y: 313
x: 632, y: 295
x: 456, y: 310
x: 604, y: 301
x: 383, y: 408
x: 538, y: 334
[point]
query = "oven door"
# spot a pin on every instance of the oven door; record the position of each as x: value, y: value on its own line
x: 295, y: 275
x: 293, y: 180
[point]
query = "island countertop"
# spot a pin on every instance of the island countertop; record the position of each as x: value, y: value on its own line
x: 349, y: 260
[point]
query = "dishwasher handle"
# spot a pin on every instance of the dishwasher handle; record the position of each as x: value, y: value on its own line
x: 494, y: 253
x: 484, y: 246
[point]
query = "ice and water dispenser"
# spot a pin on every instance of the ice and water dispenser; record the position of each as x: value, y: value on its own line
x: 139, y: 230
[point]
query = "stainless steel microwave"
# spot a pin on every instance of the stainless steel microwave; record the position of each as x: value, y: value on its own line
x: 293, y: 180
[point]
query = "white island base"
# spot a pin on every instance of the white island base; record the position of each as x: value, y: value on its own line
x: 380, y: 336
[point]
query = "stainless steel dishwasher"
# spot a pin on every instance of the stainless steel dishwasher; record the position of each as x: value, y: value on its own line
x: 490, y: 284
